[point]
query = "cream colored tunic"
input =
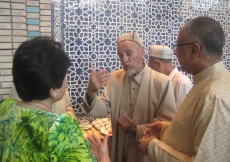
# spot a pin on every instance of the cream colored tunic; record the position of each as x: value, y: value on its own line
x: 155, y: 101
x: 200, y: 131
x: 181, y: 85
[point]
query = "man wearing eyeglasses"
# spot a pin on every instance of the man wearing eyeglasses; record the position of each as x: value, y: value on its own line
x: 201, y: 127
x: 160, y: 60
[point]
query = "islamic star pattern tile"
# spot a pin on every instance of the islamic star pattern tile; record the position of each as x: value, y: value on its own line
x: 88, y: 31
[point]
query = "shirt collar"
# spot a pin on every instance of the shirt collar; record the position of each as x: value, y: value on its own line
x: 211, y: 69
x: 138, y: 77
x: 173, y: 73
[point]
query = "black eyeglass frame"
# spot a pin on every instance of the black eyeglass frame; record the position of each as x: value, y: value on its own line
x: 178, y: 45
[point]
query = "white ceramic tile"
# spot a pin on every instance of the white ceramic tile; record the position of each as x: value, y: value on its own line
x: 45, y: 23
x: 32, y: 15
x: 45, y: 18
x: 33, y: 28
x: 22, y: 1
x: 16, y: 45
x: 6, y: 52
x: 5, y: 46
x: 6, y: 78
x: 6, y: 71
x: 5, y: 66
x: 4, y: 90
x: 19, y: 19
x: 45, y: 6
x: 32, y: 3
x: 18, y: 6
x: 45, y: 12
x: 4, y: 11
x: 46, y: 34
x: 19, y: 12
x: 5, y: 39
x: 19, y: 39
x: 19, y: 26
x: 45, y: 1
x: 20, y: 32
x: 6, y: 59
x: 4, y: 5
x: 5, y: 25
x: 45, y: 29
x: 5, y: 32
x: 7, y: 84
x: 5, y: 18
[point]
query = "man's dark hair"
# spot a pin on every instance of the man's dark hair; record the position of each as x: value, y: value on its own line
x: 209, y: 34
x: 39, y: 64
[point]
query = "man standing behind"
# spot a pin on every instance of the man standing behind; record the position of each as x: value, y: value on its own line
x: 160, y: 60
x: 200, y: 129
x: 135, y: 96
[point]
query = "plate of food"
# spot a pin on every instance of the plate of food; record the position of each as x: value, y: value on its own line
x: 106, y: 130
x: 86, y: 127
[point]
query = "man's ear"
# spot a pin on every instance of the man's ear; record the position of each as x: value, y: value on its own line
x: 195, y: 51
x: 142, y: 50
x: 158, y: 63
x: 53, y: 92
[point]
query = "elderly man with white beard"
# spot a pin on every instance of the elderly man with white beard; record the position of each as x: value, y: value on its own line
x: 134, y: 95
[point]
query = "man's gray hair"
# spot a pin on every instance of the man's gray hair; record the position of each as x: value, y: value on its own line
x: 208, y: 33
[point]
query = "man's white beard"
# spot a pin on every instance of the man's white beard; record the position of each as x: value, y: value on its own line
x: 132, y: 71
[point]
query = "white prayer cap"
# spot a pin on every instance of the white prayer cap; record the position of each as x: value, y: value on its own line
x: 159, y: 51
x: 131, y: 36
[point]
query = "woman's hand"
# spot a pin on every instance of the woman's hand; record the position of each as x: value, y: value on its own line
x: 99, y: 148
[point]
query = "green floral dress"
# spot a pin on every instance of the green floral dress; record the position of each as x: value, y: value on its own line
x: 35, y: 135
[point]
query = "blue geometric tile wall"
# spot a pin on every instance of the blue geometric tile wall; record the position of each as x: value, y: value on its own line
x: 88, y: 31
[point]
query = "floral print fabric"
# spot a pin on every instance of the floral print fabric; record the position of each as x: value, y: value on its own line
x: 36, y: 135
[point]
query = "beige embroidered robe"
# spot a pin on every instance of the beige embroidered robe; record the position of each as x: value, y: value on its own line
x: 155, y: 101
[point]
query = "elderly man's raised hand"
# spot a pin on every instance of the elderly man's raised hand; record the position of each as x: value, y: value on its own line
x: 127, y: 125
x: 97, y: 79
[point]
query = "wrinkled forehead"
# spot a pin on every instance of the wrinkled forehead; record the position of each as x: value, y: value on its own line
x: 127, y: 45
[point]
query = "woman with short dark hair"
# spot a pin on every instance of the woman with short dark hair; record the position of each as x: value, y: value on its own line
x: 29, y: 131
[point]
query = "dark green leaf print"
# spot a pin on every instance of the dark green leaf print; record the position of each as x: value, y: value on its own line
x: 29, y: 135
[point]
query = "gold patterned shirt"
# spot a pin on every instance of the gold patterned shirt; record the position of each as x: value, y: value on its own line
x: 200, y: 130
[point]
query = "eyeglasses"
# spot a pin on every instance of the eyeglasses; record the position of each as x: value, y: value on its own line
x: 177, y: 45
